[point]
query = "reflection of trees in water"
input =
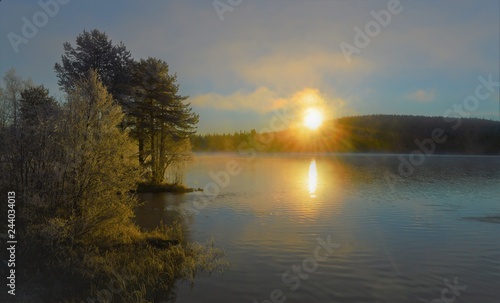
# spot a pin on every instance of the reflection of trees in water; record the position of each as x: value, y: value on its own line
x: 166, y: 208
x: 161, y: 207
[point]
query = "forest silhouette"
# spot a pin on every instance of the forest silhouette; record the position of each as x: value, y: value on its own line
x: 366, y: 134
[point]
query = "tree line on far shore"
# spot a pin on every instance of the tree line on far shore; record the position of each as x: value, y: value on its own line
x: 364, y: 134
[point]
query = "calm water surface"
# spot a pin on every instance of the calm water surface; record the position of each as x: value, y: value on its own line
x: 396, y: 239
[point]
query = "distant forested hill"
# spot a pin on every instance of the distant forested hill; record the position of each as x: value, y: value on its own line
x: 373, y: 133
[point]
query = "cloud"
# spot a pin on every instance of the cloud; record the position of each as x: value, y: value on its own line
x: 264, y: 100
x: 422, y: 96
x: 288, y: 70
x: 261, y: 100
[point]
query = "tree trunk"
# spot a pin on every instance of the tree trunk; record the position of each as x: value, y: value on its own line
x: 141, y: 149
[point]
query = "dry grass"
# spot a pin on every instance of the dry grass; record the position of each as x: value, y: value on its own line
x: 122, y: 269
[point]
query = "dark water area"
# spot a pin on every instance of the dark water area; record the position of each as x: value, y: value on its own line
x: 340, y: 228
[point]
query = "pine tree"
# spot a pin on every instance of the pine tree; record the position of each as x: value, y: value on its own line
x: 161, y: 117
x: 94, y: 51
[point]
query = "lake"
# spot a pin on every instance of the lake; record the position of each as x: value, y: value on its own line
x: 340, y: 228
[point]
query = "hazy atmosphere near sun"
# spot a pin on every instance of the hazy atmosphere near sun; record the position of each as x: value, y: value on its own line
x: 239, y: 64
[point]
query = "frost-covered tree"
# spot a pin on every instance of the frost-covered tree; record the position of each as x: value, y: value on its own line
x: 99, y: 163
x: 10, y: 96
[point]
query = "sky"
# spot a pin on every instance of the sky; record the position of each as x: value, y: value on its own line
x: 245, y: 62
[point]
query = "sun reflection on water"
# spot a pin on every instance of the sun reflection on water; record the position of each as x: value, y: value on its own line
x: 313, y: 178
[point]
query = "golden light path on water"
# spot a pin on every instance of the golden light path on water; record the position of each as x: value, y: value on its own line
x: 313, y: 178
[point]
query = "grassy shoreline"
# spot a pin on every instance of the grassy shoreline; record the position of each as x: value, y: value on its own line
x: 165, y: 188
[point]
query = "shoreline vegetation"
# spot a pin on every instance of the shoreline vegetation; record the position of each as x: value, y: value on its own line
x: 165, y: 188
x: 73, y: 165
x: 79, y: 241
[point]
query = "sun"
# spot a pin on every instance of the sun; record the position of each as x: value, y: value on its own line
x: 313, y: 118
